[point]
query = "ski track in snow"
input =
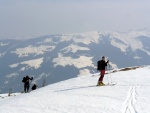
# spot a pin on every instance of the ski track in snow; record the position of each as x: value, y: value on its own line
x: 79, y: 95
x: 129, y: 104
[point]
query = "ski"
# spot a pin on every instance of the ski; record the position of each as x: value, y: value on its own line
x: 109, y: 84
x: 103, y: 85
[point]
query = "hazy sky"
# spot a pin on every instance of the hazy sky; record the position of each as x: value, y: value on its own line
x: 26, y: 18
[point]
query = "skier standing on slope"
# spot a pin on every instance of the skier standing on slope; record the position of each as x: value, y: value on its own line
x: 26, y: 83
x: 101, y: 67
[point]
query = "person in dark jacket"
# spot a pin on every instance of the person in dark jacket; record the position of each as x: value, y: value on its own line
x: 101, y: 67
x: 26, y: 83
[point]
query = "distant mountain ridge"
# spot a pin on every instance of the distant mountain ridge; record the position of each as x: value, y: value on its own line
x: 62, y: 56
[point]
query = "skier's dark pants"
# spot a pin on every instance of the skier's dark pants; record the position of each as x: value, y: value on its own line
x: 26, y: 87
x: 102, y: 75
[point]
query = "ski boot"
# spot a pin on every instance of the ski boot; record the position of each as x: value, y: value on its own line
x: 100, y: 84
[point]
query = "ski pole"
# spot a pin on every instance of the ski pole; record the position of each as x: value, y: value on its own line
x: 107, y: 75
x: 110, y: 72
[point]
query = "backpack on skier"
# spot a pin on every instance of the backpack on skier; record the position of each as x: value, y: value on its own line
x: 24, y: 79
x: 99, y: 65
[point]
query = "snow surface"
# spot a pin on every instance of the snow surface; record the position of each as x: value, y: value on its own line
x: 24, y: 52
x: 74, y: 48
x: 47, y: 40
x: 128, y: 40
x: 85, y: 38
x: 80, y: 62
x: 36, y: 63
x: 80, y: 95
x: 5, y: 96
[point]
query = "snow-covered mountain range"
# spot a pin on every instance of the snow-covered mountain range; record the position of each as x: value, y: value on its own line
x: 54, y: 58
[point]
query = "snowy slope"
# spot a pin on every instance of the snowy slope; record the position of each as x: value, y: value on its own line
x: 78, y: 95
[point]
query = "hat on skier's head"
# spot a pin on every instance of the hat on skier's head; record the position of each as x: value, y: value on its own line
x: 103, y: 56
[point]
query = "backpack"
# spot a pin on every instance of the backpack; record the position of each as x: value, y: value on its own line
x: 99, y: 65
x: 24, y: 79
x: 34, y: 87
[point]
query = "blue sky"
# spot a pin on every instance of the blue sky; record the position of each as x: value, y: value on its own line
x: 26, y: 18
